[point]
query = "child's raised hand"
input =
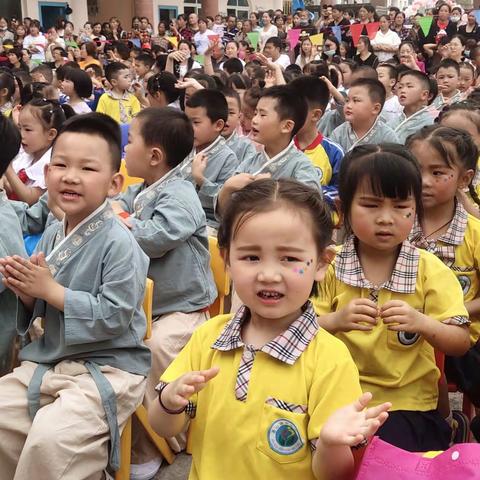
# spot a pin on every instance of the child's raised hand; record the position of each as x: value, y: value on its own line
x: 401, y: 317
x: 354, y: 423
x: 189, y: 82
x: 199, y: 164
x: 237, y: 182
x: 356, y: 314
x: 176, y: 394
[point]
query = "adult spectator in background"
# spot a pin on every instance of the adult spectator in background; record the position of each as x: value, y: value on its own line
x: 272, y: 50
x: 242, y: 36
x: 392, y: 13
x: 337, y: 17
x: 399, y: 26
x: 218, y: 55
x: 268, y: 31
x: 161, y: 38
x: 88, y: 55
x: 54, y: 41
x: 183, y: 29
x: 470, y: 31
x: 372, y: 14
x: 230, y: 29
x: 193, y: 23
x: 386, y: 42
x: 305, y: 24
x: 5, y: 33
x: 68, y: 36
x: 201, y: 39
x: 281, y: 27
x: 364, y: 54
x: 117, y: 32
x: 36, y: 43
x: 254, y: 19
x: 456, y: 16
x: 307, y: 53
x: 439, y: 28
x: 20, y: 34
x: 456, y: 48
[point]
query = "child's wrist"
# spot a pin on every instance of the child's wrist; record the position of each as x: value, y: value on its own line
x: 166, y: 408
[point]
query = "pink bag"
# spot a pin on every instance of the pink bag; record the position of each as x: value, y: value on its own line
x: 384, y: 461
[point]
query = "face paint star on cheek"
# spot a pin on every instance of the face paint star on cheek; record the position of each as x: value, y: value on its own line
x: 301, y: 270
x: 408, y: 215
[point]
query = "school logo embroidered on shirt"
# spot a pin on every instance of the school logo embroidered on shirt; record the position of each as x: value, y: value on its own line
x: 465, y: 283
x: 407, y: 338
x: 284, y: 437
x: 320, y: 173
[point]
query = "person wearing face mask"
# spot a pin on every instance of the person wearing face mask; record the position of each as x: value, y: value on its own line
x: 456, y: 16
x: 5, y: 34
x: 330, y: 48
x: 443, y: 26
x: 304, y: 23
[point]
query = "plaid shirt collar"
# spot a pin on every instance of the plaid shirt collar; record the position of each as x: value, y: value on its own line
x: 404, y: 276
x: 287, y: 347
x: 444, y: 246
x: 453, y: 236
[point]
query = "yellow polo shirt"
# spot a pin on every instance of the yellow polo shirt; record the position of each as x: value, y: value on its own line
x: 120, y: 109
x: 267, y: 433
x: 459, y: 249
x: 395, y: 366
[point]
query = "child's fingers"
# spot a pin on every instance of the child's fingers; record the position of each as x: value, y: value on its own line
x: 362, y: 401
x: 366, y: 310
x: 360, y: 327
x: 364, y: 318
x: 393, y: 312
x: 390, y: 304
x: 210, y: 373
x: 374, y: 412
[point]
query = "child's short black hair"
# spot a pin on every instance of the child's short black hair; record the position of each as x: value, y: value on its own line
x: 60, y: 71
x: 232, y: 93
x: 419, y: 76
x: 146, y: 59
x: 97, y: 125
x: 314, y: 90
x: 82, y: 83
x: 113, y: 69
x: 10, y: 140
x: 390, y: 169
x: 44, y: 70
x: 290, y: 105
x: 268, y: 194
x: 375, y: 89
x: 213, y: 101
x: 169, y: 129
x: 164, y: 82
x: 391, y: 69
x: 7, y: 80
x: 364, y: 71
x: 448, y: 63
x: 97, y: 69
x: 233, y: 65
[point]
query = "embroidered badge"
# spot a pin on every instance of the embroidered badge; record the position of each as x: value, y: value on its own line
x: 284, y: 437
x: 407, y: 338
x: 465, y: 283
x: 320, y: 173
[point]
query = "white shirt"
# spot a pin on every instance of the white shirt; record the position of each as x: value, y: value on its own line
x: 283, y: 60
x: 201, y: 41
x: 184, y: 68
x: 34, y: 170
x: 40, y: 42
x: 80, y: 108
x: 391, y: 39
x: 266, y: 34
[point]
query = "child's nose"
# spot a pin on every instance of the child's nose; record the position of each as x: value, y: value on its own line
x: 269, y: 274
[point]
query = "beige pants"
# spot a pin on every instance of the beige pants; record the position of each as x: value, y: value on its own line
x: 69, y: 437
x: 170, y: 333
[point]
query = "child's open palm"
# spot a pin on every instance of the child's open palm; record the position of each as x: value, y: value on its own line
x: 354, y: 423
x: 176, y: 394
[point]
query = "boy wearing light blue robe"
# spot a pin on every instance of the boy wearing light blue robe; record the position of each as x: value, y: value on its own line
x: 242, y: 147
x: 406, y: 126
x: 167, y: 219
x: 11, y: 243
x: 84, y: 377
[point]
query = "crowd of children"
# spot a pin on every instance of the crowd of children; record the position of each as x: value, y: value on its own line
x: 343, y: 193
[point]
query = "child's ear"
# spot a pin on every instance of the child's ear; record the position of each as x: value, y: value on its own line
x: 377, y: 108
x: 326, y: 258
x: 3, y: 92
x: 45, y: 173
x: 287, y: 126
x: 51, y: 134
x: 317, y: 114
x: 116, y: 184
x: 465, y: 179
x: 425, y: 95
x: 219, y: 125
x: 157, y: 156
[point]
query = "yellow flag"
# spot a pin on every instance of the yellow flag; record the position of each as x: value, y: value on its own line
x: 173, y: 40
x: 317, y: 39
